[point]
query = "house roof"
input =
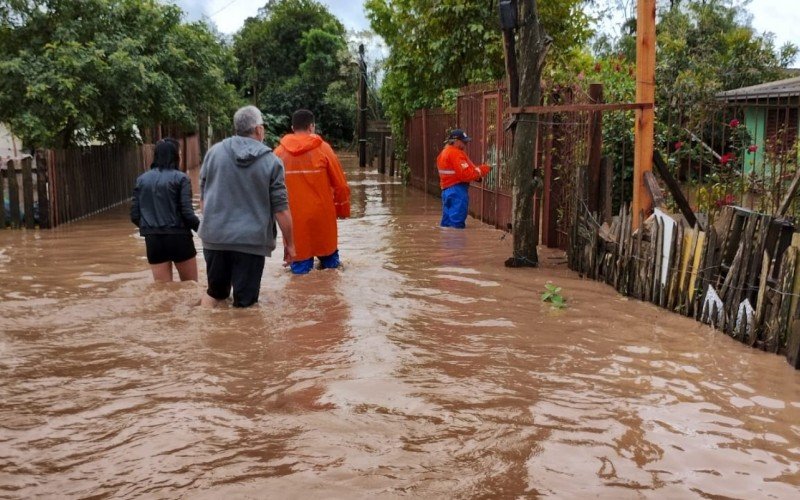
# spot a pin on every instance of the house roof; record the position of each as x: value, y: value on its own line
x: 790, y: 87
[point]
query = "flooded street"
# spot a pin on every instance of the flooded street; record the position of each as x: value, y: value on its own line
x: 424, y: 368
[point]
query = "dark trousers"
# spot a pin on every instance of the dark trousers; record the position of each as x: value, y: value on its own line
x: 227, y: 269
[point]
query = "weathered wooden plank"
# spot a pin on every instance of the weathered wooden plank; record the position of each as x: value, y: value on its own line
x: 13, y: 195
x: 795, y: 242
x: 654, y: 189
x: 692, y: 296
x: 27, y: 193
x: 687, y: 252
x: 629, y: 254
x: 761, y: 300
x: 697, y: 258
x: 42, y: 194
x: 721, y: 256
x: 777, y: 340
x: 793, y: 344
x: 674, y: 189
x: 787, y: 200
x: 657, y: 262
x: 674, y: 268
x: 639, y: 275
x: 2, y: 200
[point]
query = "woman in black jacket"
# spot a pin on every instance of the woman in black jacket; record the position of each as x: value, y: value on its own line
x: 162, y: 209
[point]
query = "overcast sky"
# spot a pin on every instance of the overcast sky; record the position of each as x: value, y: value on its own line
x: 781, y: 17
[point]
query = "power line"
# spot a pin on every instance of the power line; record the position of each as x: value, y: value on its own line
x: 223, y: 8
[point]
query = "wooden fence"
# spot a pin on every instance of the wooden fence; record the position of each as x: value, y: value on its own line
x: 739, y: 274
x: 22, y: 185
x: 88, y: 180
x: 59, y: 186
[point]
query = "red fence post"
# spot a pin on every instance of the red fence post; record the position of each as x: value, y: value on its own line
x: 595, y: 146
x: 425, y: 149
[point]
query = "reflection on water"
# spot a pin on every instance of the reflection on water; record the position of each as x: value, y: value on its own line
x: 424, y: 368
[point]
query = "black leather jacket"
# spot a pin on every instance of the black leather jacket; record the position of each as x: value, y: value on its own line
x: 162, y: 203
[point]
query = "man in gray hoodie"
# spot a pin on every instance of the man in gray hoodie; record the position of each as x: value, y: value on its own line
x: 243, y: 194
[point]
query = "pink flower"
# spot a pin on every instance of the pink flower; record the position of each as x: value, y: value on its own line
x: 734, y: 123
x: 581, y: 76
x: 678, y: 145
x: 727, y: 158
x: 753, y: 148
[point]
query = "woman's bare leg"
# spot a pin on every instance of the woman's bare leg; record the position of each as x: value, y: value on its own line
x: 162, y: 272
x: 187, y: 270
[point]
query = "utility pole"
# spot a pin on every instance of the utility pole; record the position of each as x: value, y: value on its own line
x: 508, y: 23
x: 362, y: 108
x: 644, y: 132
x: 534, y: 45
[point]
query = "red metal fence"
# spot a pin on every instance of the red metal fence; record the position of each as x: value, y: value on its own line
x: 426, y: 132
x: 480, y: 111
x: 564, y: 140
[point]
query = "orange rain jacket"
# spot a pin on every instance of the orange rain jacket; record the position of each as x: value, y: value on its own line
x: 455, y: 167
x: 318, y: 193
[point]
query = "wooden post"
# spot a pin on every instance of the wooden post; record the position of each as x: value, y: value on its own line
x: 41, y: 190
x: 595, y: 147
x: 362, y: 108
x: 27, y: 192
x: 645, y: 93
x: 13, y: 193
x: 382, y: 160
x: 606, y: 189
x: 2, y: 202
x: 552, y: 187
x: 391, y: 156
x: 424, y: 150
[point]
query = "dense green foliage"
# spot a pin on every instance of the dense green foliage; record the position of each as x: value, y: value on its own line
x: 294, y: 55
x: 75, y: 71
x: 444, y: 44
x: 704, y: 47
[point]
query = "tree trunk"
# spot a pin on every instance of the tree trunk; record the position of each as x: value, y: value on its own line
x: 533, y: 47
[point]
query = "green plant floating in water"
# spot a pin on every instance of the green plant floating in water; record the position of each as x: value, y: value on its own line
x: 552, y: 294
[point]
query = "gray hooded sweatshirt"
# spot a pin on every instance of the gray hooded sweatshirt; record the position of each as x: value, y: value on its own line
x: 242, y: 187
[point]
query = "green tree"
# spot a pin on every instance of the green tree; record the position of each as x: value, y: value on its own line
x: 294, y: 55
x: 445, y: 44
x: 77, y: 70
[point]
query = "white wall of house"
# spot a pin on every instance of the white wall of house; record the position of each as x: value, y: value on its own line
x: 9, y: 145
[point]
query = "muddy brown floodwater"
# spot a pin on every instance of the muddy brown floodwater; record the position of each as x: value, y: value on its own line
x: 424, y: 368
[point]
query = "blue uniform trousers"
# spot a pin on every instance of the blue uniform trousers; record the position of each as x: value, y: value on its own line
x: 455, y: 205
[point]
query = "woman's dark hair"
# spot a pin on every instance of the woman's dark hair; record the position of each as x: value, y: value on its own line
x: 167, y: 154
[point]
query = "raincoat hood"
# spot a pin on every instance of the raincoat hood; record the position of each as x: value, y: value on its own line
x: 246, y: 150
x: 297, y: 144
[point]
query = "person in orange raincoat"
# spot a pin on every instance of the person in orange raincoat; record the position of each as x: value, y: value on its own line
x: 318, y: 193
x: 456, y: 171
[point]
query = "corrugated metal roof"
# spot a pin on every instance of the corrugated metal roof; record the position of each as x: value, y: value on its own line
x: 789, y: 87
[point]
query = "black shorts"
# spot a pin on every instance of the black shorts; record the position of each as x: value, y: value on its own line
x: 242, y: 271
x: 169, y: 248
